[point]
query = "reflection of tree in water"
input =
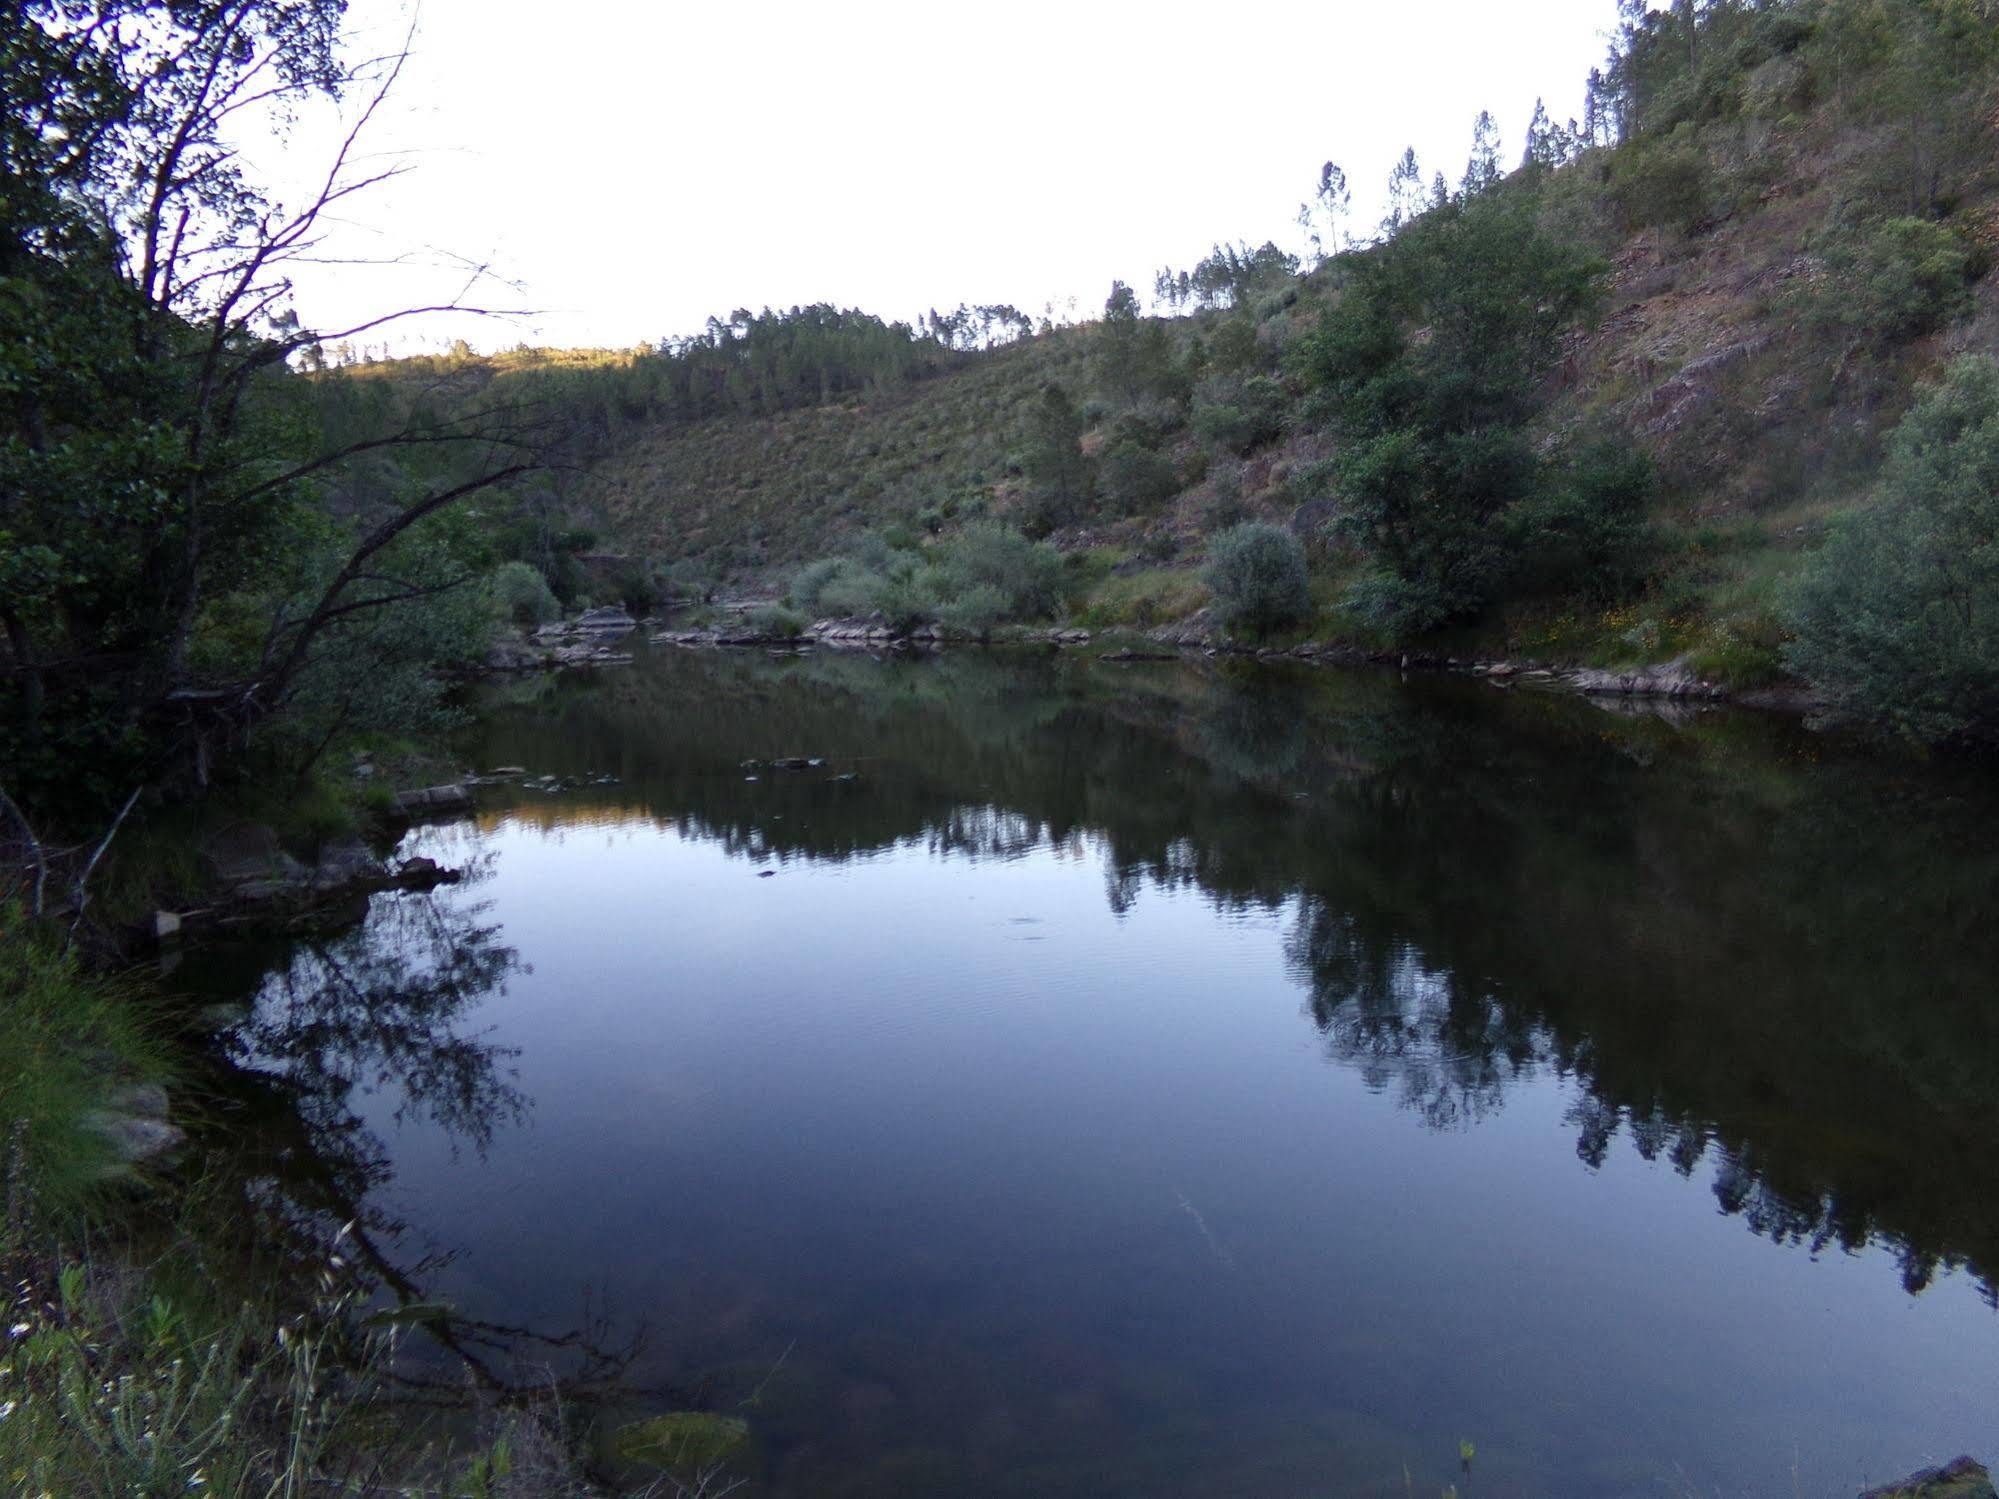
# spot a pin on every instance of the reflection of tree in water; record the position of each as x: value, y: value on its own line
x: 1752, y: 956
x: 385, y: 1005
x: 1446, y: 1050
x: 1450, y: 1051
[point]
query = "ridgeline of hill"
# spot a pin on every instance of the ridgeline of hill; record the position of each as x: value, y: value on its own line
x: 1777, y: 222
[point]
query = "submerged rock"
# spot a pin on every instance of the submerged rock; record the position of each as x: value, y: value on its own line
x: 247, y: 855
x: 134, y: 1123
x: 1961, y: 1478
x: 135, y: 1141
x: 690, y: 1440
x: 346, y: 862
x: 420, y: 873
x: 427, y: 800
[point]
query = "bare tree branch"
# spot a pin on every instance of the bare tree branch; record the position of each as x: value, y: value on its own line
x: 80, y: 891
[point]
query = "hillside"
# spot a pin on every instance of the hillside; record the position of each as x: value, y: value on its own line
x: 1792, y: 211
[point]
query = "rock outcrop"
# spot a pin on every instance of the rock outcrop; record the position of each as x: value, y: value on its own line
x: 1672, y: 679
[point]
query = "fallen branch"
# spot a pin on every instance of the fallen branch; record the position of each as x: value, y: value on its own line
x: 79, y: 892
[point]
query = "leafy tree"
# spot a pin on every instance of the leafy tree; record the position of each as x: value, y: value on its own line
x: 1433, y: 441
x: 1549, y: 145
x: 1231, y: 274
x: 521, y: 595
x: 1896, y: 621
x: 1258, y: 576
x: 157, y: 453
x: 1232, y: 347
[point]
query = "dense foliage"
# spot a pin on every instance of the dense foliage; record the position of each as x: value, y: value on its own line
x: 983, y: 576
x: 174, y: 591
x: 1897, y: 621
x: 1258, y: 577
x: 1435, y: 451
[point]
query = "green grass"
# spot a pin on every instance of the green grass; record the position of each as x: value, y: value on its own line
x: 1140, y: 600
x: 67, y: 1039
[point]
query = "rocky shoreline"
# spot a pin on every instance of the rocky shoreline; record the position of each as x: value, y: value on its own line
x: 1673, y: 681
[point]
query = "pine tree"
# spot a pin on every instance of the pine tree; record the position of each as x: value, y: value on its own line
x: 1405, y: 192
x: 1482, y: 170
x: 1117, y: 354
x: 1543, y: 147
x: 1322, y: 216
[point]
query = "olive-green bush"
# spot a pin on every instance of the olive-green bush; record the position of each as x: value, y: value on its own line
x: 1896, y: 621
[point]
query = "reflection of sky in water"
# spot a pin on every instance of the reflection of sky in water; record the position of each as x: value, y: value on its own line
x: 1050, y: 1198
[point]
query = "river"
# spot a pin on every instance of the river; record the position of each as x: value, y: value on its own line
x: 1183, y: 1079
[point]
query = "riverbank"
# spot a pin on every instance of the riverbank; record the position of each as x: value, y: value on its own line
x: 1674, y: 680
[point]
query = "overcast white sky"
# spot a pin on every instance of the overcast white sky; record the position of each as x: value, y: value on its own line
x: 637, y: 166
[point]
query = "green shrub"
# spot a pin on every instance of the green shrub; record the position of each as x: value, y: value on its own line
x: 1667, y: 183
x: 1258, y: 577
x: 1224, y: 507
x: 775, y: 619
x: 1135, y: 478
x: 1585, y: 528
x: 906, y: 597
x: 1896, y: 620
x: 110, y: 1390
x: 1253, y: 416
x: 637, y: 590
x: 522, y: 596
x: 975, y: 611
x: 1892, y: 279
x: 1739, y: 653
x: 1026, y: 575
x: 808, y: 588
x: 852, y: 590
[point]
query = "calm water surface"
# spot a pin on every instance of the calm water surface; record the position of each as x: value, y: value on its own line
x: 1184, y: 1080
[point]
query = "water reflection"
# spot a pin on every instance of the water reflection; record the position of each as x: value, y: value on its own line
x: 1344, y: 1106
x: 385, y: 1006
x: 1750, y: 951
x: 295, y: 1156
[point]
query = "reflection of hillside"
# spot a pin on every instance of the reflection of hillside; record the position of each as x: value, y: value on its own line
x: 574, y: 810
x: 1750, y: 957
